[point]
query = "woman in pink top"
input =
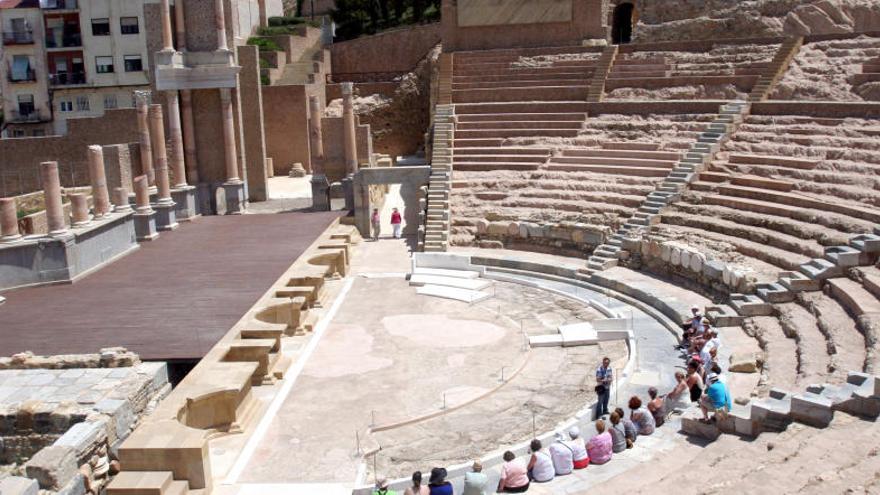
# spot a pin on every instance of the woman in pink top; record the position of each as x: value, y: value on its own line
x: 396, y: 222
x: 600, y: 446
x: 514, y: 477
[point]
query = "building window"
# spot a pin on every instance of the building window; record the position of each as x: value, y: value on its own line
x: 26, y: 105
x: 129, y: 25
x: 133, y: 63
x: 110, y: 102
x: 39, y: 132
x: 17, y: 133
x: 100, y: 27
x: 65, y: 106
x: 82, y: 103
x: 104, y: 65
x: 21, y: 69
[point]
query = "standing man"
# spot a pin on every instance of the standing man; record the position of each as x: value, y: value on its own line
x: 396, y: 222
x: 376, y: 222
x: 604, y: 378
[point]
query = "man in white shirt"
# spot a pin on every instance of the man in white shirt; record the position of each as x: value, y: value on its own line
x: 561, y: 455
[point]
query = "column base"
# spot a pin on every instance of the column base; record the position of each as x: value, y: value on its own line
x: 348, y: 190
x: 320, y: 193
x: 233, y: 198
x: 165, y: 218
x: 145, y: 226
x: 185, y: 208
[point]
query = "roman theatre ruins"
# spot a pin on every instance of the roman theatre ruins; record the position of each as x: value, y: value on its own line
x: 195, y: 297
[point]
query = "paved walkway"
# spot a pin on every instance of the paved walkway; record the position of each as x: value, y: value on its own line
x: 172, y: 299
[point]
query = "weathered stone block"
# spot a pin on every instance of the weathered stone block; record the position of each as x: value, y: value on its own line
x: 743, y: 363
x: 53, y: 467
x: 17, y: 485
x: 713, y: 269
x: 83, y: 438
x: 811, y: 409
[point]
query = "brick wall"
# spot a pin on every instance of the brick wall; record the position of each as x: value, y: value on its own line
x: 21, y: 157
x: 393, y: 51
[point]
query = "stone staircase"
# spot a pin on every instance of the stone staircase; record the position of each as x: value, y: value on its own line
x: 776, y: 69
x: 685, y: 171
x: 859, y: 396
x: 148, y: 483
x: 596, y: 90
x: 436, y: 231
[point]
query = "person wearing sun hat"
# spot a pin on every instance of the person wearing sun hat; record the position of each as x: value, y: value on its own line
x: 438, y: 484
x: 716, y: 398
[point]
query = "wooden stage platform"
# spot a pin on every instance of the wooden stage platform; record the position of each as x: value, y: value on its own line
x: 170, y: 300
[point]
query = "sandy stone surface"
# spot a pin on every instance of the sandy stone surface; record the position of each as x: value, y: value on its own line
x: 394, y: 357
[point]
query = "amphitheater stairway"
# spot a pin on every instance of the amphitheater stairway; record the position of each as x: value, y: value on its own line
x: 149, y: 483
x: 675, y: 179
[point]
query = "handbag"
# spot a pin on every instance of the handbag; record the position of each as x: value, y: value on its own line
x: 601, y: 389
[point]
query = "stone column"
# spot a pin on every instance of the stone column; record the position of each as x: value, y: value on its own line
x: 319, y: 182
x: 184, y: 195
x: 160, y: 154
x: 8, y: 221
x: 348, y: 125
x: 120, y: 200
x: 146, y: 146
x: 79, y: 210
x: 167, y: 41
x: 100, y: 194
x: 52, y: 197
x: 165, y: 215
x: 144, y: 216
x: 233, y: 201
x: 180, y: 25
x: 220, y: 25
x: 189, y: 137
x: 178, y: 163
x: 142, y: 195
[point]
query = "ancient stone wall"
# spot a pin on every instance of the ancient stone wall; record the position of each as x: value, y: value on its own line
x: 400, y: 119
x: 712, y: 19
x: 21, y: 157
x: 286, y: 127
x: 586, y: 22
x: 565, y: 238
x: 63, y: 416
x: 391, y: 52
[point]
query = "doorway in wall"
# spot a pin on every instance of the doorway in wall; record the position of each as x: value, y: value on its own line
x: 622, y: 23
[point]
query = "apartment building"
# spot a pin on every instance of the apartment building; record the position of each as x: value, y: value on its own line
x: 69, y: 58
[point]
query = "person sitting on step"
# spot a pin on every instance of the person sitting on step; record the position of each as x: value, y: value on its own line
x: 540, y: 467
x: 655, y: 407
x: 715, y: 400
x: 640, y: 416
x: 578, y: 448
x: 600, y: 446
x: 514, y: 476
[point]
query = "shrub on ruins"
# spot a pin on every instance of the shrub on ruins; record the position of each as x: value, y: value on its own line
x: 264, y: 44
x: 359, y: 17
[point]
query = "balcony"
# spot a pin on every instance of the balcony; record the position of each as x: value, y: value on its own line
x: 73, y: 40
x: 19, y: 38
x: 67, y: 78
x: 59, y: 4
x: 27, y: 115
x: 27, y: 76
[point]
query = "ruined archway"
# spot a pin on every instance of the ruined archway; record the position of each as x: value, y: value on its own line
x: 622, y: 23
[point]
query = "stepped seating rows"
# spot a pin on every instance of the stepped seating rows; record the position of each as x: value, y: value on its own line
x: 654, y: 74
x: 600, y: 175
x: 553, y: 74
x: 832, y: 70
x: 785, y: 189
